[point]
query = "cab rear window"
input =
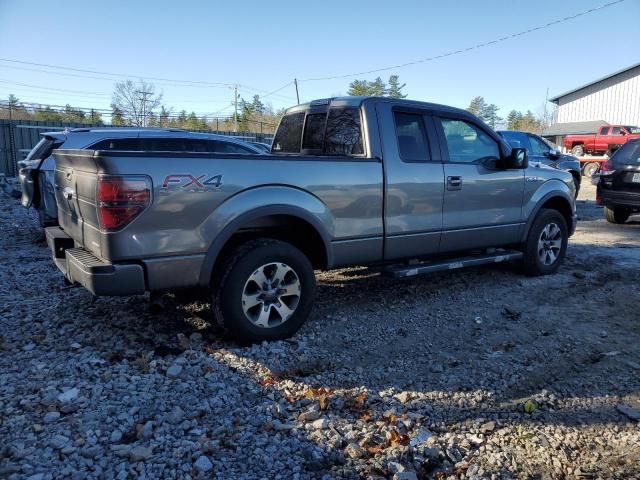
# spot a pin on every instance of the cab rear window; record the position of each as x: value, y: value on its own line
x: 336, y: 132
x: 288, y: 136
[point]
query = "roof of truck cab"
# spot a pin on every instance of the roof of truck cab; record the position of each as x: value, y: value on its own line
x: 357, y: 101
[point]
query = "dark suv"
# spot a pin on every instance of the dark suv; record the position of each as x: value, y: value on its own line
x: 619, y: 183
x: 37, y: 170
x: 544, y: 151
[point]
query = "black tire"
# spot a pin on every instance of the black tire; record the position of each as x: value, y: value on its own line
x: 577, y: 150
x: 616, y: 214
x: 590, y: 169
x: 234, y: 276
x: 533, y: 264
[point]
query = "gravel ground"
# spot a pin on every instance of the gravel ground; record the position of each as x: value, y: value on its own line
x: 482, y: 373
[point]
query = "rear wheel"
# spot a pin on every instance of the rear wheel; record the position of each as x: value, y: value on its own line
x: 546, y: 244
x: 590, y: 169
x: 616, y: 214
x: 264, y: 292
x: 577, y: 150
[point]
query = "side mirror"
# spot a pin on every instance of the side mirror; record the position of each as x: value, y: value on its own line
x: 553, y: 153
x: 622, y: 132
x: 517, y: 159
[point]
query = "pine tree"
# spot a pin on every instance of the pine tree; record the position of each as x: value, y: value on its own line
x: 378, y: 88
x: 513, y: 120
x: 257, y: 106
x: 359, y: 88
x: 395, y: 89
x: 477, y: 106
x: 490, y: 115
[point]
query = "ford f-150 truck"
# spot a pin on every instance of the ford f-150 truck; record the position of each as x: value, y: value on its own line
x: 405, y: 186
x: 606, y: 141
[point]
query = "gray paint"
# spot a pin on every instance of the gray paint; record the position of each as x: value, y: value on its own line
x: 366, y: 210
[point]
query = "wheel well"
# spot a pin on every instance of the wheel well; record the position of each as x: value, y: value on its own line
x: 576, y: 177
x: 575, y: 144
x: 562, y: 206
x: 287, y: 228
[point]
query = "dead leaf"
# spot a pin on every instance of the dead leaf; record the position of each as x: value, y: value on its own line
x: 366, y: 416
x: 267, y: 381
x: 360, y: 399
x: 324, y: 402
x: 395, y: 438
x: 374, y: 449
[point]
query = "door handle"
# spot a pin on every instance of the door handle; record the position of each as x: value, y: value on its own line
x: 454, y: 183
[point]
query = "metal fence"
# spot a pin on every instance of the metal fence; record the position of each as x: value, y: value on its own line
x: 18, y: 137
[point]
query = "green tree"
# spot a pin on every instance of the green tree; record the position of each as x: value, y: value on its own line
x: 192, y: 122
x: 359, y: 88
x: 395, y: 89
x: 378, y: 88
x: 490, y: 115
x: 256, y: 105
x: 95, y: 118
x: 513, y: 120
x: 117, y: 116
x: 477, y: 106
x: 46, y: 114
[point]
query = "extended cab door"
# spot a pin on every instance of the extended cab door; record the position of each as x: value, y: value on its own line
x: 599, y: 140
x: 482, y: 201
x: 414, y: 182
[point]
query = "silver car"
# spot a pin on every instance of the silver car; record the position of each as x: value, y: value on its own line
x: 37, y: 170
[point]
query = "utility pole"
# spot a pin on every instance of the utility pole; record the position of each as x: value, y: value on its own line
x: 235, y: 103
x: 295, y: 81
x: 144, y: 105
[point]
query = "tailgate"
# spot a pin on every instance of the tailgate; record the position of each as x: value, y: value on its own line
x: 75, y: 187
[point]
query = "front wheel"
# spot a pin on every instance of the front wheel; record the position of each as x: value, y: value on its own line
x: 264, y: 291
x: 546, y: 244
x: 616, y: 214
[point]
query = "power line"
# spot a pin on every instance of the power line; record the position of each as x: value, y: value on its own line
x: 182, y: 83
x: 474, y: 47
x: 60, y: 67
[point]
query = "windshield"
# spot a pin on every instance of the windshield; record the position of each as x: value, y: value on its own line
x: 632, y: 129
x: 549, y: 143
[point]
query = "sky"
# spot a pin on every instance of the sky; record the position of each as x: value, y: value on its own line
x: 262, y: 46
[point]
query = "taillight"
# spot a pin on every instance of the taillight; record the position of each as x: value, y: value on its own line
x: 606, y: 168
x: 120, y: 199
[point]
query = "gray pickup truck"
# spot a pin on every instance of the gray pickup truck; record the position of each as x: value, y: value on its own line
x: 408, y: 187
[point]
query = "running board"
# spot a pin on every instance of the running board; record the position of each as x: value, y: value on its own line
x: 453, y: 264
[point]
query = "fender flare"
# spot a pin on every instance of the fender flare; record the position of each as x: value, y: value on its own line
x: 232, y: 227
x: 538, y: 207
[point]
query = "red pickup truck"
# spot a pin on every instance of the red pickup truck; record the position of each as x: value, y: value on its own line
x: 606, y: 141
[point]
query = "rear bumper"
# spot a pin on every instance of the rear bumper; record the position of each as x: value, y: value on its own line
x: 617, y: 198
x: 96, y: 275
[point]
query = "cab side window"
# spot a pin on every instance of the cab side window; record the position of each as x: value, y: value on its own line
x: 411, y: 136
x: 467, y: 143
x: 604, y: 131
x: 616, y: 131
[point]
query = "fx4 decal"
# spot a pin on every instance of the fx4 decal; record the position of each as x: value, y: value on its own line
x: 189, y: 183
